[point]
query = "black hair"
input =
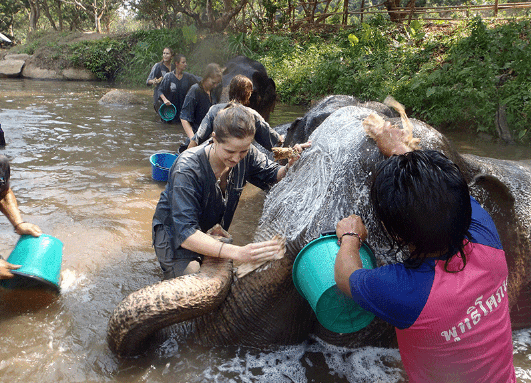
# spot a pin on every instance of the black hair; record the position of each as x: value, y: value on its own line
x: 5, y: 174
x: 233, y: 121
x: 423, y: 202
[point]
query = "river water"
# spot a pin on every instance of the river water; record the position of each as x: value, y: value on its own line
x: 81, y: 171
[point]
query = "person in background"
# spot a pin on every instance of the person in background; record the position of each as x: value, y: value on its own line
x: 437, y: 298
x: 157, y: 74
x: 203, y: 190
x: 240, y: 90
x: 175, y: 86
x: 199, y: 99
x: 9, y: 207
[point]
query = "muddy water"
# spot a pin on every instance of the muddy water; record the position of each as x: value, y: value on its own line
x: 81, y: 171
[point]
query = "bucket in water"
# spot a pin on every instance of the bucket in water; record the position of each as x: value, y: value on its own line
x: 161, y: 164
x: 167, y: 112
x: 40, y: 259
x: 313, y: 276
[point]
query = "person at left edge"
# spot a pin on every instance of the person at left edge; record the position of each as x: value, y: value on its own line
x: 203, y: 190
x: 9, y: 207
x: 157, y: 74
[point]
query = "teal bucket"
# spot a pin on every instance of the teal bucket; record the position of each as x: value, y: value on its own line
x: 313, y: 276
x: 40, y: 259
x: 167, y: 112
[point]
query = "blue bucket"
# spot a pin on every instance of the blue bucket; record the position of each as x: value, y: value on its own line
x: 167, y: 112
x: 40, y: 259
x: 161, y: 164
x: 313, y: 276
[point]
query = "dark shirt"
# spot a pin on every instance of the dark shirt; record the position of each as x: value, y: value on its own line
x: 175, y: 90
x: 193, y: 199
x: 264, y: 135
x: 196, y: 105
x: 158, y: 70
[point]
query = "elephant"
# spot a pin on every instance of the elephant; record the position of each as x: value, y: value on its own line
x: 330, y: 181
x: 264, y: 94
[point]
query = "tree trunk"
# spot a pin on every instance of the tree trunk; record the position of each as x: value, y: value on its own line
x: 48, y: 14
x: 34, y: 15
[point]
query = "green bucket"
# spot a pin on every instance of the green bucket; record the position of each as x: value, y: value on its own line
x: 40, y: 259
x: 313, y: 276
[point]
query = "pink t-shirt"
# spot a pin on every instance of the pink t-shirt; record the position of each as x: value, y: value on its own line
x: 465, y: 323
x: 451, y: 327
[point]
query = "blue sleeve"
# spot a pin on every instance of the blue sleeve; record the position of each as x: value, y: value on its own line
x: 189, y: 104
x: 265, y: 135
x: 482, y: 228
x: 185, y: 204
x: 393, y: 292
x: 155, y: 73
x: 262, y: 171
x: 207, y: 126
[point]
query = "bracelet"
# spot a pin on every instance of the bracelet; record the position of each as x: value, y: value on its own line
x: 349, y: 233
x: 17, y: 225
x: 221, y: 247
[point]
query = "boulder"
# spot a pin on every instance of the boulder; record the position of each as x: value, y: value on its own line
x: 120, y: 97
x: 31, y: 70
x: 11, y: 68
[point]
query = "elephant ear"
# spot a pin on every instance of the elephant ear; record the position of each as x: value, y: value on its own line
x: 495, y: 196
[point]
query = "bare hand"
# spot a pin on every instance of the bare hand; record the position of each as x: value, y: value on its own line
x: 262, y: 251
x: 298, y: 148
x: 389, y: 139
x: 28, y: 228
x: 4, y: 269
x: 351, y: 224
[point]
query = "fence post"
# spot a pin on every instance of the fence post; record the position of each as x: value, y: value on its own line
x: 345, y: 13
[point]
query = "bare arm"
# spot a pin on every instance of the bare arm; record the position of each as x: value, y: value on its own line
x: 254, y: 252
x: 187, y: 128
x: 9, y: 207
x: 348, y: 257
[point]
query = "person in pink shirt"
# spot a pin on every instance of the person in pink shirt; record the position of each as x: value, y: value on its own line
x: 448, y: 300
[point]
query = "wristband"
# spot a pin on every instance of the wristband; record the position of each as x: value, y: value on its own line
x: 349, y: 233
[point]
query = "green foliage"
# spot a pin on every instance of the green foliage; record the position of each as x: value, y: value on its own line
x: 455, y: 79
x: 103, y: 57
x: 146, y: 49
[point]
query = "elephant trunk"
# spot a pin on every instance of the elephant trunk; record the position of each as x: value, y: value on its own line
x: 148, y: 310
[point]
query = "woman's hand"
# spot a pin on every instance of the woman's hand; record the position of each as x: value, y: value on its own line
x: 351, y: 224
x: 298, y: 148
x: 4, y: 269
x: 261, y: 251
x: 28, y: 228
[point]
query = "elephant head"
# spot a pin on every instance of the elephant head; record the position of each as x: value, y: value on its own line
x: 330, y: 181
x: 264, y: 94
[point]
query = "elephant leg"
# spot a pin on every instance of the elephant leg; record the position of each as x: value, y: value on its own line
x: 148, y: 310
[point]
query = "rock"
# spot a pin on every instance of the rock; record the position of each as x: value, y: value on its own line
x: 78, y: 74
x: 31, y: 70
x: 11, y: 68
x: 120, y: 97
x: 17, y: 56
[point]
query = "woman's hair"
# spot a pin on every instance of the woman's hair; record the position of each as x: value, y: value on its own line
x: 5, y: 174
x: 212, y: 70
x: 168, y: 48
x: 233, y: 121
x: 178, y: 57
x: 240, y: 89
x: 423, y: 202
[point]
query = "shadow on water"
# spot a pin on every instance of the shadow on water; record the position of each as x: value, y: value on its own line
x: 81, y: 171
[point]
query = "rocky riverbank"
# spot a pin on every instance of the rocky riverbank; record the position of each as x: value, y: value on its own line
x: 27, y: 66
